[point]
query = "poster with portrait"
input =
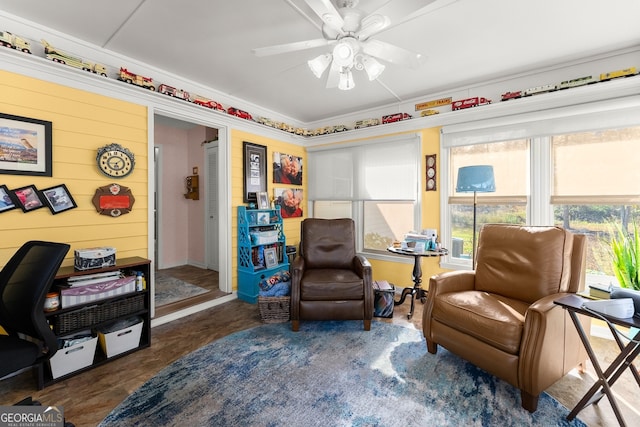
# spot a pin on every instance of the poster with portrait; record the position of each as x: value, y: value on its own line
x: 290, y: 201
x: 287, y: 169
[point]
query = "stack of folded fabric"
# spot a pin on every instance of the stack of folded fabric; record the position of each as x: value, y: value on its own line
x: 278, y: 285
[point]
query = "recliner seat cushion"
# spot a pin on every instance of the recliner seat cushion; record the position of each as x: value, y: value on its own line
x: 493, y: 319
x: 316, y: 285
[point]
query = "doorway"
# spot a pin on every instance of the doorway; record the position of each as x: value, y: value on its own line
x: 187, y: 243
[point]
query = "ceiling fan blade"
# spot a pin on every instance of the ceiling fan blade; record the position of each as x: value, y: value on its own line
x: 393, y: 54
x: 328, y: 13
x: 334, y: 76
x: 396, y: 12
x: 289, y: 47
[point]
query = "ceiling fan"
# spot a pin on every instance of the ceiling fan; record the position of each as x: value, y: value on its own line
x: 349, y: 30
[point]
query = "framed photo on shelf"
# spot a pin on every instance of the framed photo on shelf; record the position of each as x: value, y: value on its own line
x: 6, y: 202
x: 25, y: 147
x: 263, y: 200
x: 262, y: 218
x: 58, y: 199
x: 27, y: 198
x: 270, y: 257
x: 255, y: 169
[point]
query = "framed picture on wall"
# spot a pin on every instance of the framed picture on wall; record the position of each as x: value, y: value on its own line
x: 287, y: 169
x: 255, y: 170
x: 290, y: 201
x: 6, y: 203
x: 25, y: 146
x: 27, y: 198
x: 58, y: 199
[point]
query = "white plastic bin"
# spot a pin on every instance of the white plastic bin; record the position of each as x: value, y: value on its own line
x: 122, y: 340
x: 67, y: 360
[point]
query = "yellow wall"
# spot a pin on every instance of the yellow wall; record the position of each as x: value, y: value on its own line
x: 82, y: 123
x: 291, y: 225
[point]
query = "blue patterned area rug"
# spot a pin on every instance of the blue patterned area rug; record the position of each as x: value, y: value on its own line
x: 328, y: 374
x: 169, y: 289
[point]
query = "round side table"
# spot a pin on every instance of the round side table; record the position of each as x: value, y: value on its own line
x: 416, y: 291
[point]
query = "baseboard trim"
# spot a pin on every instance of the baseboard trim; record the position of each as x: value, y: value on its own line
x: 192, y: 310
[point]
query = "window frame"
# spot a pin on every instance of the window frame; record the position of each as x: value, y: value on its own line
x: 357, y: 208
x: 538, y: 128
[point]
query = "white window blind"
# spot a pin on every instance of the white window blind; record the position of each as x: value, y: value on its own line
x: 385, y: 170
x: 597, y: 167
x: 595, y: 116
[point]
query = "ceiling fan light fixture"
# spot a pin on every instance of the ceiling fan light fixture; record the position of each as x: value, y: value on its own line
x: 319, y: 64
x: 344, y: 52
x: 373, y: 68
x: 346, y: 80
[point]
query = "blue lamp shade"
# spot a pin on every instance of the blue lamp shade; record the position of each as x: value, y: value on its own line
x: 476, y: 178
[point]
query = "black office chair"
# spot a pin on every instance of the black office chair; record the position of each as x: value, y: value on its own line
x: 24, y: 283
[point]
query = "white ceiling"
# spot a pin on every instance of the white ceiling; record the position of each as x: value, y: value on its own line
x: 465, y: 42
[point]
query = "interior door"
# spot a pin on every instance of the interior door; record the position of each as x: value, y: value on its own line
x: 212, y: 215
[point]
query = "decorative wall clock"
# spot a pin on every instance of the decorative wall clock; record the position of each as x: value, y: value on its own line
x: 113, y: 200
x: 115, y: 161
x: 431, y: 172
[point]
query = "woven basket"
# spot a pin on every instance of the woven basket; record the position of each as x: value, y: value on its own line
x: 89, y: 316
x: 274, y: 309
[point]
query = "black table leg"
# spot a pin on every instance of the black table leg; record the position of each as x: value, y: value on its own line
x: 416, y: 290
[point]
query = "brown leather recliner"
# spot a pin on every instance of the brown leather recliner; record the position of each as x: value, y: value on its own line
x: 502, y: 317
x: 329, y: 281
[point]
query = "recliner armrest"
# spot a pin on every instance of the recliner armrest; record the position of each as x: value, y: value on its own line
x: 297, y: 270
x: 297, y: 264
x: 451, y: 281
x: 546, y: 351
x: 361, y: 266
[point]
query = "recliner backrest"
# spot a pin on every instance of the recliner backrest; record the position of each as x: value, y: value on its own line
x: 328, y: 243
x: 523, y: 262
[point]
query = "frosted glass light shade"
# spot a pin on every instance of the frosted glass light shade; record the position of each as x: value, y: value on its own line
x: 319, y: 64
x: 372, y: 67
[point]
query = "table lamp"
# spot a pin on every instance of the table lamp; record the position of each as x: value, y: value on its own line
x: 476, y: 179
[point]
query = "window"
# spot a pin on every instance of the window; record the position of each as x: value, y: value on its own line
x: 578, y: 171
x: 376, y: 184
x: 596, y: 186
x: 510, y: 160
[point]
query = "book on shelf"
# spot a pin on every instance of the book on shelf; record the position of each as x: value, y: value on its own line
x: 92, y: 279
